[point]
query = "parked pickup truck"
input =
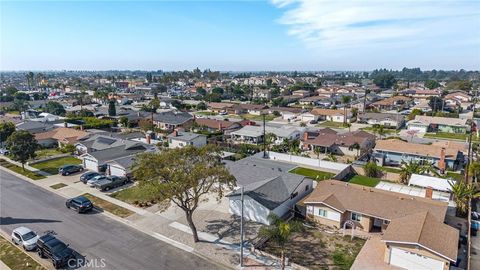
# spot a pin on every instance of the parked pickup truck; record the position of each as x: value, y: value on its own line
x: 110, y: 182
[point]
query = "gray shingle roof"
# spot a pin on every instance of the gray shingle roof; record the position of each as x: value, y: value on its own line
x: 185, y: 136
x: 118, y: 152
x: 171, y: 117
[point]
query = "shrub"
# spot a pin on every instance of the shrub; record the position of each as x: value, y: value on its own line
x: 371, y: 169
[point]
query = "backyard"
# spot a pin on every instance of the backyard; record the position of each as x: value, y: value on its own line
x: 313, y: 174
x: 317, y: 249
x: 364, y: 180
x: 51, y: 166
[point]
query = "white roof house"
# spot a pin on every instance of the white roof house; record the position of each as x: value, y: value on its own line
x: 255, y: 133
x: 435, y: 183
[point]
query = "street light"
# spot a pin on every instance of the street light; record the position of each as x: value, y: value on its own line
x: 241, y: 226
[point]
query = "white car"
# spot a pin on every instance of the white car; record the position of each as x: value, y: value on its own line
x: 91, y: 182
x: 25, y: 237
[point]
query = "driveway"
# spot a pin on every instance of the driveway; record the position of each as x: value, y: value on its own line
x: 371, y: 256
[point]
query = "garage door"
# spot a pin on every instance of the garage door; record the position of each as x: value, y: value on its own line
x: 90, y: 165
x: 114, y: 170
x: 413, y: 261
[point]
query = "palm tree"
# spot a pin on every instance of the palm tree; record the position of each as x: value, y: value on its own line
x: 331, y: 157
x: 462, y: 194
x: 429, y: 167
x: 357, y: 147
x: 345, y: 101
x: 474, y: 170
x: 349, y: 125
x: 367, y: 91
x: 280, y: 232
x: 270, y: 138
x: 409, y: 168
x: 154, y: 104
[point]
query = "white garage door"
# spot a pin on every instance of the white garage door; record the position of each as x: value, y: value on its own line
x: 118, y: 171
x: 90, y: 165
x: 413, y: 261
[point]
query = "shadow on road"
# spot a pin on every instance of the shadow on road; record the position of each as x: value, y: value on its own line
x: 10, y: 220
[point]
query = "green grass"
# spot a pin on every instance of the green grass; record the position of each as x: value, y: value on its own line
x: 387, y: 131
x: 51, y: 166
x: 364, y: 181
x: 58, y: 186
x: 134, y: 195
x: 205, y: 113
x: 389, y: 169
x: 18, y: 169
x: 455, y: 176
x: 452, y: 136
x: 331, y: 124
x: 313, y: 174
x: 108, y: 206
x: 45, y: 153
x: 253, y: 117
x: 15, y: 258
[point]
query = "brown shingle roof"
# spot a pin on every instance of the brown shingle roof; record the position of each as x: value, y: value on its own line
x: 62, y: 134
x: 424, y: 229
x: 391, y: 100
x: 400, y: 146
x: 214, y: 123
x: 327, y: 112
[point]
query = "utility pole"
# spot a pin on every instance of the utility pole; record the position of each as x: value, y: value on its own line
x: 241, y: 230
x: 470, y: 156
x: 264, y: 138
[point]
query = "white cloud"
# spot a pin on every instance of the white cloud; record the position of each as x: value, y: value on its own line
x: 342, y: 25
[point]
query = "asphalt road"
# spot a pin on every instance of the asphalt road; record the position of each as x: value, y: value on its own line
x: 94, y: 235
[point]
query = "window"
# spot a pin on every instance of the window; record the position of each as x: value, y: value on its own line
x: 356, y: 217
x: 307, y: 187
x: 386, y: 222
x: 294, y: 195
x: 322, y: 212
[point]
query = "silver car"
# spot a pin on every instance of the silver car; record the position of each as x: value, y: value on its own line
x: 25, y: 237
x: 91, y: 182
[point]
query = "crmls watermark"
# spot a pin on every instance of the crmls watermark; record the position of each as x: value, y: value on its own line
x: 87, y: 263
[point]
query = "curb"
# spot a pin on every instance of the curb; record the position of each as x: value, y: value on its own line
x: 7, y: 238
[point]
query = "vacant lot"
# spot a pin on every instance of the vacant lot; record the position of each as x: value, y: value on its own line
x: 15, y: 258
x: 51, y: 166
x: 313, y: 174
x: 19, y: 170
x: 316, y: 249
x: 364, y: 181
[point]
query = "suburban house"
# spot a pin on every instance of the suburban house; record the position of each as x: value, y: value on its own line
x: 424, y: 124
x: 287, y: 113
x: 301, y: 93
x: 219, y: 107
x: 329, y: 141
x: 254, y: 134
x: 421, y: 93
x: 171, y: 120
x: 35, y: 126
x: 215, y: 125
x: 121, y: 167
x: 254, y: 109
x: 388, y: 120
x: 456, y: 99
x: 60, y: 136
x: 414, y: 233
x: 392, y: 103
x: 268, y: 188
x: 181, y: 139
x: 444, y: 156
x: 327, y: 114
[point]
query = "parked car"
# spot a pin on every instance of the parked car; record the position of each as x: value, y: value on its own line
x: 69, y: 169
x: 4, y: 151
x: 48, y: 246
x: 110, y: 182
x: 87, y: 176
x: 25, y: 237
x: 95, y: 179
x: 80, y: 204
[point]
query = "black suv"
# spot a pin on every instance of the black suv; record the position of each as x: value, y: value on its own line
x: 80, y: 203
x: 50, y: 247
x: 69, y: 169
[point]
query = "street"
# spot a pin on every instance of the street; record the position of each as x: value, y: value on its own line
x: 93, y: 235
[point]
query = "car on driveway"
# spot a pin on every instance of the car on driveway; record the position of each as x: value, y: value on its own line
x: 87, y: 176
x: 69, y: 169
x: 110, y: 182
x: 48, y: 246
x: 92, y: 181
x: 80, y: 204
x: 4, y: 151
x: 25, y: 237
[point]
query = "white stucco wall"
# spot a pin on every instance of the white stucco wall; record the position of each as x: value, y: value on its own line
x: 331, y: 214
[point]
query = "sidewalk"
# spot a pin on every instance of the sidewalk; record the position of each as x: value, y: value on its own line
x: 170, y: 226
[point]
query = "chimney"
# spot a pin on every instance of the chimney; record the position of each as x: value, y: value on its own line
x: 305, y: 136
x: 441, y: 163
x: 220, y: 125
x: 81, y: 127
x: 65, y: 124
x: 429, y: 193
x: 147, y: 138
x: 138, y: 113
x: 175, y: 133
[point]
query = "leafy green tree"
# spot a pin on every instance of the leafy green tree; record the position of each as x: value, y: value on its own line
x: 384, y: 80
x: 201, y: 91
x: 280, y: 233
x: 270, y: 138
x: 218, y: 90
x: 154, y: 104
x: 124, y: 121
x: 462, y: 194
x: 414, y: 113
x: 409, y: 168
x: 436, y: 103
x: 22, y: 96
x: 345, y: 100
x: 431, y: 84
x: 184, y: 177
x: 56, y: 108
x: 112, y: 111
x: 6, y: 129
x: 22, y: 146
x: 68, y: 148
x: 371, y: 169
x: 201, y: 106
x: 460, y: 85
x: 474, y: 170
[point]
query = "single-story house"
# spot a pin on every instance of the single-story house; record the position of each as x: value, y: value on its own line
x: 121, y: 167
x: 254, y: 134
x: 414, y: 232
x: 268, y: 188
x: 60, y: 136
x: 327, y: 114
x: 287, y: 113
x: 171, y: 120
x: 255, y: 109
x: 424, y: 124
x: 392, y: 103
x: 35, y: 126
x: 219, y: 107
x: 181, y: 139
x: 214, y: 125
x: 388, y: 120
x: 329, y: 141
x: 435, y: 183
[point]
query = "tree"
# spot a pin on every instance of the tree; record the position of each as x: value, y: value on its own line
x: 112, y: 111
x: 22, y: 146
x: 154, y: 104
x: 124, y: 121
x: 460, y: 85
x: 436, y: 103
x: 217, y: 90
x: 68, y: 148
x: 409, y: 168
x: 280, y: 232
x: 201, y: 91
x: 431, y: 84
x: 414, y: 113
x: 371, y: 169
x: 384, y: 80
x: 345, y: 101
x: 474, y: 170
x: 184, y: 176
x: 367, y: 91
x: 270, y: 138
x: 56, y: 108
x: 462, y: 194
x: 201, y: 106
x: 6, y: 129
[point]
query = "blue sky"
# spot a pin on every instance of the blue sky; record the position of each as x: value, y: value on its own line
x: 240, y: 35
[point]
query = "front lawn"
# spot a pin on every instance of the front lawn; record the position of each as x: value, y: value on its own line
x: 51, y: 166
x: 387, y: 131
x: 19, y: 170
x: 313, y: 174
x: 206, y: 113
x: 254, y: 117
x: 319, y: 250
x: 108, y: 206
x: 390, y: 169
x: 452, y: 136
x: 364, y: 181
x: 45, y: 153
x: 58, y: 186
x: 332, y: 124
x: 15, y: 258
x: 141, y: 196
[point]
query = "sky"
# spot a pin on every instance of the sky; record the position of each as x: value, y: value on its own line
x: 275, y: 35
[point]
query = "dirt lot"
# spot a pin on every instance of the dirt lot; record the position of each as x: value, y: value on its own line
x: 320, y: 248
